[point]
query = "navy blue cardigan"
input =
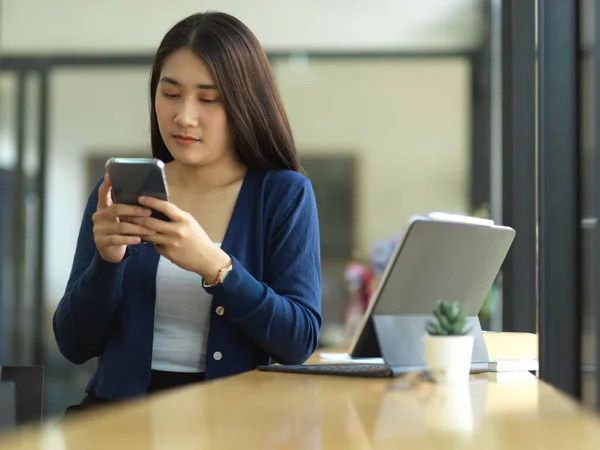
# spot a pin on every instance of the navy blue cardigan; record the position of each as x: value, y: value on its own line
x: 272, y: 297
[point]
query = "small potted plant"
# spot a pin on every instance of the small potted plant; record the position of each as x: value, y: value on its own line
x: 448, y: 344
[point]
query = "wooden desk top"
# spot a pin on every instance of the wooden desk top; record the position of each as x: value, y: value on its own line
x: 265, y: 411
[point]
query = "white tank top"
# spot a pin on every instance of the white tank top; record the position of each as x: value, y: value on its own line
x: 181, y: 320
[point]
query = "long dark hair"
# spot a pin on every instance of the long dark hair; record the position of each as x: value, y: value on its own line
x: 242, y: 73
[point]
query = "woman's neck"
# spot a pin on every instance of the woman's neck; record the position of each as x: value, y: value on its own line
x: 204, y: 178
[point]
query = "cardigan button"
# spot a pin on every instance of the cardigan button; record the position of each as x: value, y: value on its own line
x: 220, y: 310
x: 217, y: 356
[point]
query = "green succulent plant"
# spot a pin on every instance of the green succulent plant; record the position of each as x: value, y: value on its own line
x: 449, y: 320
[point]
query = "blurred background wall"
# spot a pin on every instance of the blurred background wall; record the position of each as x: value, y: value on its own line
x: 71, y: 26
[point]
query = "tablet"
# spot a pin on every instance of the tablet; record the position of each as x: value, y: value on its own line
x: 440, y: 257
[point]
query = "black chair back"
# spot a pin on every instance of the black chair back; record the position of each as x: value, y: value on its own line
x: 7, y: 406
x: 29, y: 384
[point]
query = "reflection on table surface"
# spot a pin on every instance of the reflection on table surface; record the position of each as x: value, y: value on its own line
x: 273, y: 410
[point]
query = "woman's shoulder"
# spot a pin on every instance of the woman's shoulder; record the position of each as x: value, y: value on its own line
x: 280, y: 188
x: 286, y: 190
x: 285, y: 182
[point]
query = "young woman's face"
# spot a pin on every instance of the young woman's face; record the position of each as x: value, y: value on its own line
x: 191, y: 116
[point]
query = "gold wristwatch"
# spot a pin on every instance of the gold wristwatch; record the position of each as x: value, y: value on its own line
x: 220, y: 276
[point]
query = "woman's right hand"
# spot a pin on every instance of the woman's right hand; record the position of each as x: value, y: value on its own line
x: 111, y: 235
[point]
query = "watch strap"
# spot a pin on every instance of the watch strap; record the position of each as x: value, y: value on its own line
x: 223, y: 272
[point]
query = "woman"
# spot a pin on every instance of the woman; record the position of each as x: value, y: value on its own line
x: 233, y: 280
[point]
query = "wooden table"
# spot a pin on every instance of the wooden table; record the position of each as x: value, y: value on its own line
x: 259, y: 410
x: 272, y: 411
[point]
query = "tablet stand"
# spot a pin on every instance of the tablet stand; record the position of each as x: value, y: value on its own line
x: 398, y: 340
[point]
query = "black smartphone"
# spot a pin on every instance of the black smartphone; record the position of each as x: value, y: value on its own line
x: 133, y: 177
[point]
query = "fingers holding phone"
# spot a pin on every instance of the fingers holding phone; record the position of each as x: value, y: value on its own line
x: 112, y: 235
x: 105, y: 193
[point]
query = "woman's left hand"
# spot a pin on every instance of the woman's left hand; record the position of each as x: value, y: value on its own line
x: 182, y: 241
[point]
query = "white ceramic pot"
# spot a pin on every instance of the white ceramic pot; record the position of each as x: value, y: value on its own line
x: 448, y: 358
